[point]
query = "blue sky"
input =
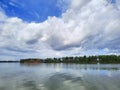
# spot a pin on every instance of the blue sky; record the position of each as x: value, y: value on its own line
x: 32, y: 10
x: 56, y: 28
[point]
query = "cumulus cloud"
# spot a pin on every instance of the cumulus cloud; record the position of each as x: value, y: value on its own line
x: 87, y: 27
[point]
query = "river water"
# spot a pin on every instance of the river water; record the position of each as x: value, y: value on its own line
x: 15, y: 76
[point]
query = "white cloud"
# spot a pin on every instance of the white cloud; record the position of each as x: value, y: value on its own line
x: 87, y: 27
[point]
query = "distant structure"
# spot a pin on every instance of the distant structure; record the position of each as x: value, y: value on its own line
x: 98, y: 61
x: 36, y: 61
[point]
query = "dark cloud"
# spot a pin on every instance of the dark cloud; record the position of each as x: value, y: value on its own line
x: 17, y: 49
x: 31, y: 42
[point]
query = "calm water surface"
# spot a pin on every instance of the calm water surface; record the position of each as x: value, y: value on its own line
x: 59, y: 77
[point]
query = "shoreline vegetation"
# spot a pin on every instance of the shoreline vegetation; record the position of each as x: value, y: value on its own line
x: 9, y: 61
x: 101, y: 59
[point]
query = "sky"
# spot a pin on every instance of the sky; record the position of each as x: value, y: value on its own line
x: 57, y: 28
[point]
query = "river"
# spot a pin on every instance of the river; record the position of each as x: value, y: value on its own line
x: 15, y: 76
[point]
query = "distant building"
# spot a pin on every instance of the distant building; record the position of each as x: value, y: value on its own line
x: 31, y: 60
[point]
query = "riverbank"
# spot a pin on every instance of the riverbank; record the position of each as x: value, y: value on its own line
x: 102, y: 59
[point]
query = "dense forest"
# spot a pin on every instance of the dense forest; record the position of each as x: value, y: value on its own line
x: 102, y: 59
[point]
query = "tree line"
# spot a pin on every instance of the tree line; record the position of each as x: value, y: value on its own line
x: 102, y: 59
